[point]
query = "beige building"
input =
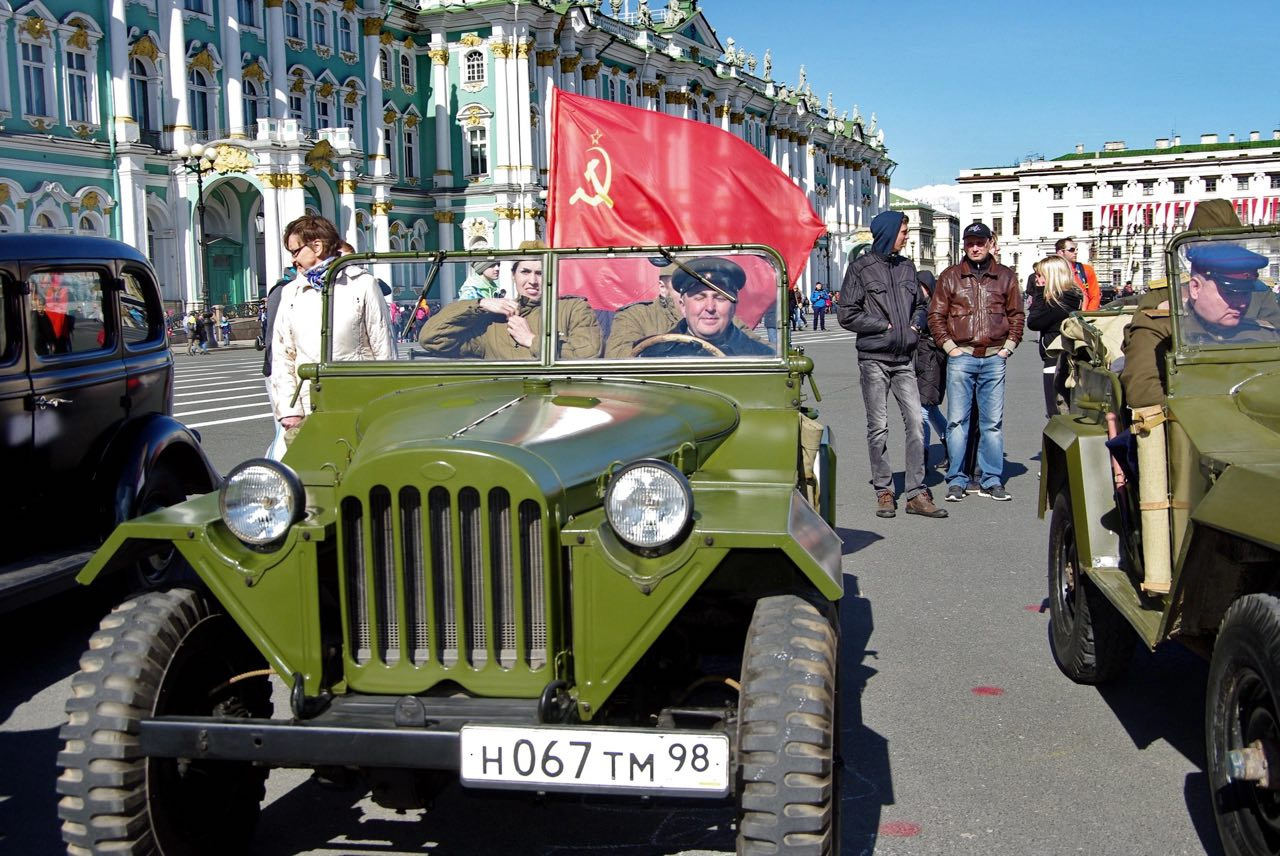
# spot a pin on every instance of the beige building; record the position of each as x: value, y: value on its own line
x: 933, y: 241
x: 1121, y: 204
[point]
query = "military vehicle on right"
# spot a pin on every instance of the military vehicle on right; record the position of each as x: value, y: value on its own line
x: 1161, y: 518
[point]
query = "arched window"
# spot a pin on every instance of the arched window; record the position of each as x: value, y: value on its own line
x: 36, y: 85
x: 140, y: 96
x: 201, y: 100
x: 410, y: 153
x: 43, y: 222
x: 248, y: 13
x: 320, y: 27
x: 345, y: 41
x: 406, y: 71
x: 473, y: 67
x: 384, y: 66
x: 5, y: 224
x: 251, y: 112
x: 292, y: 20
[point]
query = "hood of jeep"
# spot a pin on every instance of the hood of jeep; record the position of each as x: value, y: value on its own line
x: 574, y: 429
x: 1259, y: 399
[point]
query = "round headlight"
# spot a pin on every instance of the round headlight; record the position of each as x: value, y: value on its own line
x: 260, y: 500
x: 648, y: 504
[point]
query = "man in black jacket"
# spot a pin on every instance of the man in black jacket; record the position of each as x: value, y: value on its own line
x: 879, y: 301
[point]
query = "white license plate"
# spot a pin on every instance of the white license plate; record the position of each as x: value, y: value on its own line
x: 596, y: 759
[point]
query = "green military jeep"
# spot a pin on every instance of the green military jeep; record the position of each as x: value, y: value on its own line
x: 528, y: 567
x: 1160, y: 523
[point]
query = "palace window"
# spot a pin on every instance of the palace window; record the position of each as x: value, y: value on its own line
x: 320, y: 27
x: 384, y: 66
x: 140, y: 96
x: 473, y: 67
x: 406, y: 71
x: 410, y: 153
x: 1117, y: 189
x: 78, y: 89
x: 201, y: 100
x: 1086, y: 221
x: 248, y: 13
x: 35, y: 84
x: 477, y: 151
x: 297, y: 108
x: 345, y: 42
x: 1057, y: 221
x: 292, y: 20
x: 1242, y: 182
x: 324, y: 113
x: 1211, y: 185
x: 194, y: 6
x: 1179, y: 186
x: 1148, y: 188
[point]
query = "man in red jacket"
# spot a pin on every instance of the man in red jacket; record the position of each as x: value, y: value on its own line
x: 1085, y: 276
x: 976, y: 315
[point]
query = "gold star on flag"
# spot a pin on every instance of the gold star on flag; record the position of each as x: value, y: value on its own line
x: 595, y: 138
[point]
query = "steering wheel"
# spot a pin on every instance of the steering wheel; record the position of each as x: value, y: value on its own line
x: 661, y: 338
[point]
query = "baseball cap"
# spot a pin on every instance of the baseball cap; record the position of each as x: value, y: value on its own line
x: 977, y: 230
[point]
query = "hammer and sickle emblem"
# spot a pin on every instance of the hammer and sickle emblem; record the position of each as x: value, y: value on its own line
x: 601, y: 187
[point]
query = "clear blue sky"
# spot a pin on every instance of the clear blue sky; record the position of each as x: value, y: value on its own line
x: 953, y: 92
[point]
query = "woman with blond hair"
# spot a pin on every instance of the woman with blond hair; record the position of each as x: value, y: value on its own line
x: 1060, y: 296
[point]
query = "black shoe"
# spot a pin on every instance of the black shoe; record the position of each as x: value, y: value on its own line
x: 996, y: 492
x: 955, y: 493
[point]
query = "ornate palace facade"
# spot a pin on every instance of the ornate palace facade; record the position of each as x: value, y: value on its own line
x: 414, y: 127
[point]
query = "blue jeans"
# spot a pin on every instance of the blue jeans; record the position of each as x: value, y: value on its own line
x: 931, y: 414
x: 970, y: 377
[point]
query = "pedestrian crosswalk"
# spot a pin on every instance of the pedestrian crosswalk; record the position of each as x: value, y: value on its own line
x: 831, y: 334
x: 220, y: 388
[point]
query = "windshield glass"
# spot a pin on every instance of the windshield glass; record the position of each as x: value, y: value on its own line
x: 1227, y: 288
x: 635, y: 307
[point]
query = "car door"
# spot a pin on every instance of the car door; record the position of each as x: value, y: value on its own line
x: 147, y: 361
x: 78, y: 397
x: 15, y: 414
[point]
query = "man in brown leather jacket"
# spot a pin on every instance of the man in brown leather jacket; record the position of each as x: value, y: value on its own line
x: 976, y: 316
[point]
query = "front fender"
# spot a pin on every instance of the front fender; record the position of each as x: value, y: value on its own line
x: 139, y: 450
x: 1074, y: 456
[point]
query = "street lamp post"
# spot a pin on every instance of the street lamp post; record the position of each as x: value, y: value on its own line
x: 197, y: 160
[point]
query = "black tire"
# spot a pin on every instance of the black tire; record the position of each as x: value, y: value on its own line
x: 788, y: 799
x: 1091, y: 641
x: 161, y: 489
x: 160, y: 653
x: 1242, y: 705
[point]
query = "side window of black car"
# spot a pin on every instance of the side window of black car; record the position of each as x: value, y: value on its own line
x: 139, y: 312
x: 70, y: 313
x: 9, y: 337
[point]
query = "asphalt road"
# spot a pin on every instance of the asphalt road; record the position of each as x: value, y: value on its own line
x: 960, y: 735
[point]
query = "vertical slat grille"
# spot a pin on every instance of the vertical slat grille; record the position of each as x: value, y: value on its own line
x: 413, y: 560
x: 357, y: 599
x: 457, y: 580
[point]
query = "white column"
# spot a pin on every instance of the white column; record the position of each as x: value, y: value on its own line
x: 373, y: 124
x: 276, y: 63
x: 126, y: 125
x: 442, y: 176
x: 528, y: 157
x: 132, y: 201
x: 175, y: 48
x: 232, y: 71
x: 546, y: 55
x: 503, y: 82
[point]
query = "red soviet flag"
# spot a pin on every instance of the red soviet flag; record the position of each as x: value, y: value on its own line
x: 623, y: 176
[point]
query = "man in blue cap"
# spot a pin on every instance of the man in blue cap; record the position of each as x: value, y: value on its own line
x: 1223, y: 302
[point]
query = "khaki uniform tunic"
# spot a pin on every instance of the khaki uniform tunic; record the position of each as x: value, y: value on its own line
x: 463, y: 329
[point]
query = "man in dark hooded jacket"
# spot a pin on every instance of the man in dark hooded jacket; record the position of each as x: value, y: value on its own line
x: 880, y: 301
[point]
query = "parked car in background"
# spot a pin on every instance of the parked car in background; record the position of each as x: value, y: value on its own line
x: 86, y: 393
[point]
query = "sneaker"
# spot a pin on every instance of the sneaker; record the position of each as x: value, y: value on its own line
x: 973, y: 487
x: 955, y: 493
x: 996, y: 492
x: 922, y: 504
x: 885, y: 505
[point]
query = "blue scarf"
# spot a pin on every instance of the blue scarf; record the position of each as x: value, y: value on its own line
x: 315, y: 275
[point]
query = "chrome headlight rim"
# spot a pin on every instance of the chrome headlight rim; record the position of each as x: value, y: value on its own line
x: 677, y: 533
x: 294, y: 493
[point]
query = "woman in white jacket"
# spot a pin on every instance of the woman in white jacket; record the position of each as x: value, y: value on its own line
x: 359, y: 324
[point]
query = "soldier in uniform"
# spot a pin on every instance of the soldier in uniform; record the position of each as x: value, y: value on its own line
x: 642, y: 320
x: 1224, y: 302
x: 504, y: 328
x: 708, y: 288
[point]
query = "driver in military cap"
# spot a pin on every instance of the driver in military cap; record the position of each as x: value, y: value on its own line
x: 1225, y: 302
x: 709, y: 290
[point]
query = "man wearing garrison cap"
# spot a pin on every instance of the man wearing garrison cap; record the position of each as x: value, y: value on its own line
x: 709, y: 296
x: 1223, y: 301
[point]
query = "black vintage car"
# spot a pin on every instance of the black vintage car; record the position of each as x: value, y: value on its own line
x: 86, y: 393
